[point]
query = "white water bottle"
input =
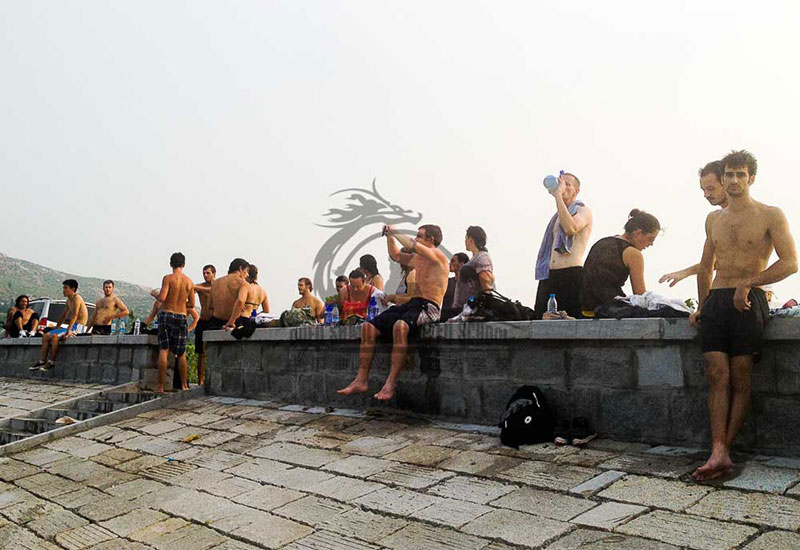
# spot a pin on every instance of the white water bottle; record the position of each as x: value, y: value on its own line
x: 552, y: 304
x: 114, y: 326
x: 137, y: 327
x: 121, y: 326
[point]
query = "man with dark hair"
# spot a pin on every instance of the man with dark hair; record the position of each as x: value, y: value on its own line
x: 304, y: 287
x: 203, y: 291
x: 228, y: 296
x: 77, y: 314
x: 108, y: 308
x: 559, y: 264
x: 177, y: 298
x: 456, y: 262
x: 711, y: 185
x: 739, y: 242
x: 477, y: 275
x: 341, y: 282
x: 398, y: 322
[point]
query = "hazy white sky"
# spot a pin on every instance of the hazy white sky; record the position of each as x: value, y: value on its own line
x: 129, y: 130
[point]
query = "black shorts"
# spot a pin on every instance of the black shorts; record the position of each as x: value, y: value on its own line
x: 416, y: 312
x: 202, y: 326
x: 566, y: 285
x: 172, y: 332
x: 101, y: 330
x: 724, y: 328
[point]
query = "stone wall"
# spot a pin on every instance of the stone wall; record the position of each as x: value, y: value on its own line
x: 636, y: 379
x: 93, y: 359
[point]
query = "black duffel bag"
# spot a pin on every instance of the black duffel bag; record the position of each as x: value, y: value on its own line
x: 493, y: 306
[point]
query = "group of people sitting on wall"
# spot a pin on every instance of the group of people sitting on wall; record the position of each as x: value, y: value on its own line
x: 740, y: 239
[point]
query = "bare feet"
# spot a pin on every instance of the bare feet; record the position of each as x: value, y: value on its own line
x: 160, y: 389
x: 184, y: 387
x: 386, y: 393
x: 201, y: 382
x: 354, y: 387
x: 714, y: 468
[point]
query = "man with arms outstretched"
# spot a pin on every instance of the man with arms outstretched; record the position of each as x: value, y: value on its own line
x: 739, y: 242
x: 177, y: 297
x: 714, y: 193
x: 398, y: 322
x: 108, y: 308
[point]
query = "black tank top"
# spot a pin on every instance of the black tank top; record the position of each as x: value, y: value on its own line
x: 604, y: 273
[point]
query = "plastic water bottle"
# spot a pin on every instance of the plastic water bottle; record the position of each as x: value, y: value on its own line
x: 372, y: 309
x: 122, y: 326
x: 551, y: 182
x: 155, y: 324
x: 335, y: 315
x: 114, y: 326
x: 552, y: 305
x: 137, y: 327
x: 328, y: 315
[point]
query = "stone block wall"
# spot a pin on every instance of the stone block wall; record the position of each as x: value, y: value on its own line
x: 636, y: 379
x: 108, y: 360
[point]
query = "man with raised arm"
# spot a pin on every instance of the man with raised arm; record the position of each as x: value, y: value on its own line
x: 711, y: 185
x: 228, y: 296
x: 108, y: 308
x: 398, y: 322
x: 559, y: 264
x: 177, y: 298
x: 739, y: 242
x: 203, y: 291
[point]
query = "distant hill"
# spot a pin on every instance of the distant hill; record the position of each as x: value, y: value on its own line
x: 21, y: 277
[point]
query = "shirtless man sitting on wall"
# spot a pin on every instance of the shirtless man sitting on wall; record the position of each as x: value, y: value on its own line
x: 740, y: 239
x: 177, y: 298
x: 398, y: 322
x: 109, y: 307
x: 256, y: 295
x: 228, y: 296
x: 304, y: 287
x: 77, y: 314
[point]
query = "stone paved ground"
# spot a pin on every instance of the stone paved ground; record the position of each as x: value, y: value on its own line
x: 18, y: 396
x: 228, y: 474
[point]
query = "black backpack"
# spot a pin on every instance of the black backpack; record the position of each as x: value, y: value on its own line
x: 527, y: 419
x: 493, y: 306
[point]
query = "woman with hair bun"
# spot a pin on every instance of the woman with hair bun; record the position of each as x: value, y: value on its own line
x: 613, y: 259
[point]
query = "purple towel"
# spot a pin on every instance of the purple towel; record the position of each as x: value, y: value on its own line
x: 563, y: 243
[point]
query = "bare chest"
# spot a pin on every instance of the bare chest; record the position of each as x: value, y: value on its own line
x: 734, y: 235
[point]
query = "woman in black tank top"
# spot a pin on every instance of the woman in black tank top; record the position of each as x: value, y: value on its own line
x: 610, y: 263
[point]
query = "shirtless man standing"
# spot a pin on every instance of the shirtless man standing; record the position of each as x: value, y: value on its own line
x: 711, y: 185
x: 77, y: 314
x: 204, y: 293
x: 109, y: 307
x: 177, y: 297
x: 398, y: 322
x: 228, y: 296
x: 740, y: 239
x: 256, y: 295
x: 304, y: 287
x: 559, y: 265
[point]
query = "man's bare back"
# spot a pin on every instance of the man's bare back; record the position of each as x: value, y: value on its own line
x: 223, y: 294
x: 180, y: 293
